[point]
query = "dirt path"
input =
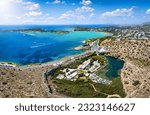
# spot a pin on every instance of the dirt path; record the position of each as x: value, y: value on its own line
x: 108, y: 96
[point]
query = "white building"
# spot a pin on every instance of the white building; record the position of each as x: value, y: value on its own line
x: 84, y: 64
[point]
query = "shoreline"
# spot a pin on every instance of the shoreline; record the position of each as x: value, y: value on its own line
x: 53, y: 63
x: 5, y: 64
x: 8, y: 64
x: 44, y: 67
x: 80, y: 47
x: 134, y: 76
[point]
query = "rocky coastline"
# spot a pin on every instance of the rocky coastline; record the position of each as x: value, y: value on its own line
x: 31, y: 81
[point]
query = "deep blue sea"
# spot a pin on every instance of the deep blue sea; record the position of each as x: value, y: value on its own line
x: 39, y: 47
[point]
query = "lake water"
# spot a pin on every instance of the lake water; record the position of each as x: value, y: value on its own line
x: 40, y: 47
x: 112, y: 70
x: 114, y: 67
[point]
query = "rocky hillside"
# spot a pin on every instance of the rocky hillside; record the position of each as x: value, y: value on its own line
x: 129, y: 49
x: 136, y: 71
x: 136, y: 80
x: 25, y: 83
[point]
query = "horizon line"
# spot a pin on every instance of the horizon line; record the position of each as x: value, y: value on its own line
x: 63, y: 24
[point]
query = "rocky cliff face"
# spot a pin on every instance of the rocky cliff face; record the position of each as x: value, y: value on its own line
x: 135, y: 74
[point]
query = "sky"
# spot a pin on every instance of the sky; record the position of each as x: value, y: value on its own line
x: 65, y: 12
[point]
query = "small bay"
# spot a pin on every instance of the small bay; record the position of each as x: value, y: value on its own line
x: 38, y: 47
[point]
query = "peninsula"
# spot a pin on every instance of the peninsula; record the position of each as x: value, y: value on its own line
x: 85, y: 75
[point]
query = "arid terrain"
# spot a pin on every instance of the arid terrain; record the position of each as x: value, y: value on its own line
x: 135, y: 74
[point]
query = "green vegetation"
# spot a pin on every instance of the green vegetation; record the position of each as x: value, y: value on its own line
x: 135, y: 83
x: 101, y: 59
x: 81, y: 29
x: 38, y: 30
x: 57, y: 72
x: 59, y: 31
x: 83, y: 89
x: 76, y: 63
x: 102, y: 73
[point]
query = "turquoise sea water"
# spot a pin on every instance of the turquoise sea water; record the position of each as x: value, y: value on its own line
x: 40, y: 47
